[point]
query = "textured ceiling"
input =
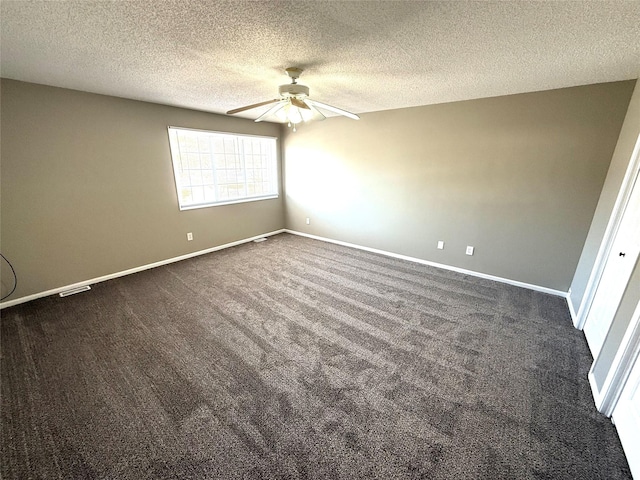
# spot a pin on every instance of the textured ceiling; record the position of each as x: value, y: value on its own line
x: 360, y: 56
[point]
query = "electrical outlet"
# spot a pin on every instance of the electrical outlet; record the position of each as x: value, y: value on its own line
x: 308, y: 221
x: 189, y: 236
x: 440, y: 245
x: 469, y: 250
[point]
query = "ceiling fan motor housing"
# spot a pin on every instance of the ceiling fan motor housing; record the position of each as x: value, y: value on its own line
x: 294, y: 90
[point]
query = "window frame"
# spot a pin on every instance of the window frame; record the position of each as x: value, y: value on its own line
x: 176, y: 163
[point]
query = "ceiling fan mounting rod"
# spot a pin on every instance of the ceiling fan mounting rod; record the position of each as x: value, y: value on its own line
x: 294, y: 73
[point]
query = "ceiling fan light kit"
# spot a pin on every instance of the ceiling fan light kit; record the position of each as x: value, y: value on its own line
x: 294, y: 105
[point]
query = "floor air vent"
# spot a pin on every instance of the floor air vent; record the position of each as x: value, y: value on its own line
x: 73, y: 291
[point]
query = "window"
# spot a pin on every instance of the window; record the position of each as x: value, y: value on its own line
x: 213, y: 168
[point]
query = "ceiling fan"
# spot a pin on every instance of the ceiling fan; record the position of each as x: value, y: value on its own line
x: 294, y: 105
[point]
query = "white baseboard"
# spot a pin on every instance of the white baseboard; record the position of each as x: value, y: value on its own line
x: 110, y: 276
x: 516, y: 283
x: 595, y: 391
x: 574, y: 315
x: 54, y: 291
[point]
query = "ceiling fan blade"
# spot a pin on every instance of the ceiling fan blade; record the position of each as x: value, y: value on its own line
x: 299, y: 103
x: 249, y: 107
x: 317, y: 114
x: 332, y: 109
x: 271, y: 111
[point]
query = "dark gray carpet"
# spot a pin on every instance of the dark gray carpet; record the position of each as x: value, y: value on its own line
x: 296, y: 359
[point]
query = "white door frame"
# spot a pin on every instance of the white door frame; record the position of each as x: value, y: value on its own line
x: 626, y: 417
x: 628, y: 351
x: 609, y: 236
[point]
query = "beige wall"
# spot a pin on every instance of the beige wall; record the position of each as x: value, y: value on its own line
x: 88, y: 189
x: 517, y: 177
x: 87, y: 184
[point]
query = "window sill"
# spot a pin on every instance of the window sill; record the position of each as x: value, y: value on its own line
x: 228, y: 202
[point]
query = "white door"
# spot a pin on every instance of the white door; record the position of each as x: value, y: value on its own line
x: 616, y: 273
x: 627, y: 419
